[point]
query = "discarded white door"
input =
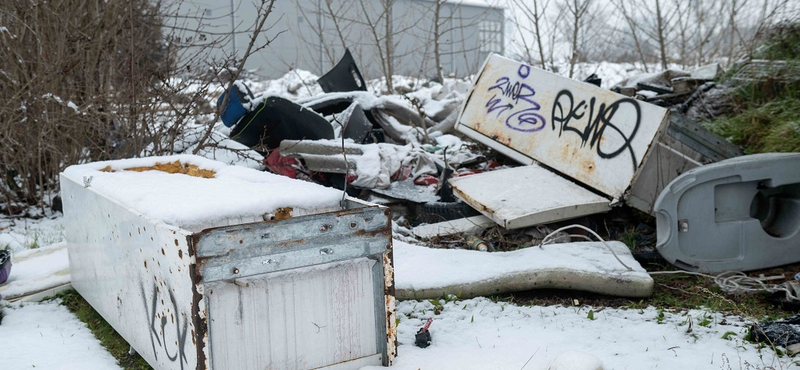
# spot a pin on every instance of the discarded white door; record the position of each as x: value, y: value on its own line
x: 595, y: 137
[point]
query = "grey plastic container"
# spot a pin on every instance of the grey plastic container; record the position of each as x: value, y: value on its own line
x: 738, y: 214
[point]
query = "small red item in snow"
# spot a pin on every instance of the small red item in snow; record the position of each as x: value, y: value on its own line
x: 281, y: 165
x: 426, y: 180
x: 462, y: 173
x: 427, y: 324
x: 401, y: 174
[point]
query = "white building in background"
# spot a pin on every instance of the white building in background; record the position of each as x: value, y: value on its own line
x: 312, y: 34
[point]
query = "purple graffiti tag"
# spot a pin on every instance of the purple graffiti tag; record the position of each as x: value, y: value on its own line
x: 526, y: 121
x: 516, y: 99
x: 524, y: 70
x: 494, y: 104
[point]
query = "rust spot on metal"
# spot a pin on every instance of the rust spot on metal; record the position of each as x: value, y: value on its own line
x: 241, y: 241
x: 180, y: 254
x: 175, y: 167
x: 176, y: 242
x: 145, y: 263
x: 389, y: 304
x: 325, y: 227
x: 346, y: 212
x: 291, y: 242
x: 200, y: 328
x: 163, y: 253
x: 191, y: 241
x: 283, y: 213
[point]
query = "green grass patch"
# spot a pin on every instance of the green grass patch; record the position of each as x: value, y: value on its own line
x: 766, y: 112
x: 108, y: 337
x: 782, y: 42
x: 680, y: 291
x: 771, y: 127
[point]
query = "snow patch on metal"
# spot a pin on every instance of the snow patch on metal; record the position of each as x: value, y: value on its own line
x: 527, y: 196
x: 234, y: 195
x: 597, y: 137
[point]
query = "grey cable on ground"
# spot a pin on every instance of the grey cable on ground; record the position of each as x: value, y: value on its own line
x: 737, y: 282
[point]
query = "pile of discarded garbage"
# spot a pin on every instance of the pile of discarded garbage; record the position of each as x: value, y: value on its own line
x: 559, y: 150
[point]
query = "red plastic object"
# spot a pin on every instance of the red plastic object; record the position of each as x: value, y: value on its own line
x: 281, y: 165
x: 426, y: 180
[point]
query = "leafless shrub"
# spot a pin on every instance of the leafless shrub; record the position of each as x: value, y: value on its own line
x: 89, y: 80
x: 69, y: 68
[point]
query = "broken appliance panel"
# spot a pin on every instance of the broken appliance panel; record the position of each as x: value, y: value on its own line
x: 307, y: 289
x: 594, y: 136
x: 590, y: 136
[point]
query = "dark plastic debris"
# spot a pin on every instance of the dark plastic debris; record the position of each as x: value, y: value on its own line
x: 358, y: 126
x: 344, y: 76
x: 782, y: 333
x: 277, y: 119
x: 594, y: 80
x: 423, y: 337
x: 5, y: 265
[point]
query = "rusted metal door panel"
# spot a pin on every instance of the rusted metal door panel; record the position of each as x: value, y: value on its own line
x: 592, y: 135
x: 526, y: 196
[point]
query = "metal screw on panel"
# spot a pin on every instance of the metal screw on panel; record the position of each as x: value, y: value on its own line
x: 235, y: 270
x: 683, y: 226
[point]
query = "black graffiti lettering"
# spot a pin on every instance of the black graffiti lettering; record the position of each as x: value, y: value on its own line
x: 567, y: 117
x: 151, y: 320
x: 180, y: 324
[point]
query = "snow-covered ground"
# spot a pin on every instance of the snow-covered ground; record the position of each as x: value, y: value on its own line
x: 467, y: 334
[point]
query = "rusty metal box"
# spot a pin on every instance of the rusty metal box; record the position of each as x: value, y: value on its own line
x: 308, y: 288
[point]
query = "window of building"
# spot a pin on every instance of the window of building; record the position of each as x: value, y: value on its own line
x: 490, y: 34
